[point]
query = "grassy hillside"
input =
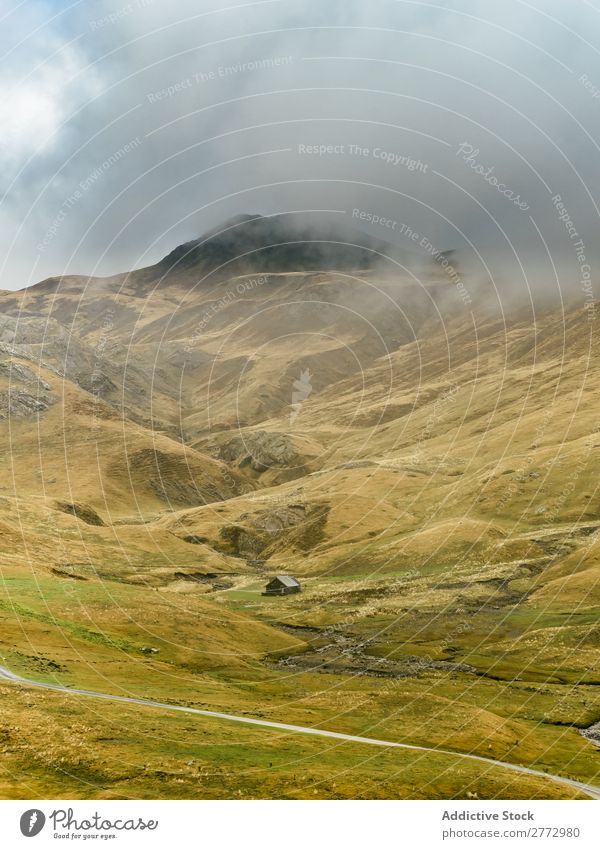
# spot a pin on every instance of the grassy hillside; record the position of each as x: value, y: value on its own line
x: 426, y: 468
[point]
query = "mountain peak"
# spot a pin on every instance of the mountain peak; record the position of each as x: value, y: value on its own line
x: 250, y: 243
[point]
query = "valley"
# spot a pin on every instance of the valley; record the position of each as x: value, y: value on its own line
x: 172, y: 437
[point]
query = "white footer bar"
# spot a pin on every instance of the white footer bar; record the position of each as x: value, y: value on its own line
x: 300, y: 824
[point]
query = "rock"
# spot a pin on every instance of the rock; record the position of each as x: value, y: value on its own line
x: 260, y: 449
x: 18, y: 372
x: 20, y: 403
x: 592, y: 733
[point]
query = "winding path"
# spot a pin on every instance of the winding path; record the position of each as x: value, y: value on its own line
x: 7, y: 675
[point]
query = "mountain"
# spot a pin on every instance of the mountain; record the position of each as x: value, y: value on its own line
x: 270, y: 400
x: 277, y: 243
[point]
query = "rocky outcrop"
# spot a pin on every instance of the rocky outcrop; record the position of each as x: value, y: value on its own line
x: 22, y: 391
x: 19, y: 403
x: 592, y: 733
x: 267, y: 457
x: 17, y: 372
x: 260, y: 450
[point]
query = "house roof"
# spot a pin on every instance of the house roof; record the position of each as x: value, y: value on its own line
x: 286, y: 580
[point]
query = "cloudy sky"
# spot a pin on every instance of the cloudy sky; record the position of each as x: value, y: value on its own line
x: 130, y: 127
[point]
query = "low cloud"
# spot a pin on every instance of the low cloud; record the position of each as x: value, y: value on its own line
x: 461, y: 123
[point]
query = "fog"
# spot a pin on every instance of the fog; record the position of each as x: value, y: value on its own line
x: 130, y: 128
